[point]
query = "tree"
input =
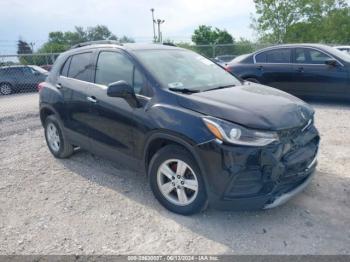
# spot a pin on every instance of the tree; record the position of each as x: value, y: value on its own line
x: 332, y: 28
x: 280, y: 21
x: 24, y: 48
x: 206, y: 35
x: 61, y: 41
x: 126, y: 39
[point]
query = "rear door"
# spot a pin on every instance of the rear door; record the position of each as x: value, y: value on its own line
x: 314, y: 77
x: 274, y: 68
x: 75, y: 83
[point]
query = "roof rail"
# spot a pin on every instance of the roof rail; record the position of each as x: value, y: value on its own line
x: 99, y: 42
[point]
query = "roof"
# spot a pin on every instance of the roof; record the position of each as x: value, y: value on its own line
x: 293, y: 46
x: 129, y: 46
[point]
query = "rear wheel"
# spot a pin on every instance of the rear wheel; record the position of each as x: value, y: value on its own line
x: 176, y: 180
x: 5, y: 89
x: 55, y: 138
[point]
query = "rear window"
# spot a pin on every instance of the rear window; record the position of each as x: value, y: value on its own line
x: 80, y: 66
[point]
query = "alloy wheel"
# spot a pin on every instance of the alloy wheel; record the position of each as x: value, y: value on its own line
x: 177, y: 182
x: 53, y: 137
x: 5, y: 89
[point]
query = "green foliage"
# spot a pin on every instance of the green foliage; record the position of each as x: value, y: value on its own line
x: 126, y: 39
x: 280, y: 21
x: 61, y: 41
x: 206, y: 35
x: 24, y: 48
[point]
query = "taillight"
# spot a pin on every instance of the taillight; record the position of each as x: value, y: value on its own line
x: 41, y: 86
x: 228, y: 68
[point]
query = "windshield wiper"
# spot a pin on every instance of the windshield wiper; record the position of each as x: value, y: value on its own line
x: 184, y: 90
x: 219, y: 87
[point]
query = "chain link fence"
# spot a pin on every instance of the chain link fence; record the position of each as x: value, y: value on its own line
x: 23, y: 72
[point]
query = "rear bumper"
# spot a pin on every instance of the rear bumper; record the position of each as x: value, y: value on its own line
x: 249, y: 178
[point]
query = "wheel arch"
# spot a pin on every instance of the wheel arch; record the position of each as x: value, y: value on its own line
x: 47, y: 110
x: 160, y: 139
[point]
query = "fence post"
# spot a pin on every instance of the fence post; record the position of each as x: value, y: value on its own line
x: 213, y: 46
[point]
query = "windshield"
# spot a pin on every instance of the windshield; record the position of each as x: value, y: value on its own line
x: 185, y: 69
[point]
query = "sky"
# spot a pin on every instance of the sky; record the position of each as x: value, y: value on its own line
x: 32, y: 20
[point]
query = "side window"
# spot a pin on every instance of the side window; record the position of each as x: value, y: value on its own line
x: 80, y: 66
x: 112, y: 67
x: 300, y: 56
x: 278, y: 55
x: 64, y: 70
x: 26, y: 70
x: 317, y: 57
x: 261, y: 58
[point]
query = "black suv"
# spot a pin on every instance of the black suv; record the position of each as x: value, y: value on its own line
x: 201, y: 135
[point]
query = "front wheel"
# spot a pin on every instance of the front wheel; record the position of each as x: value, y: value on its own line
x: 176, y: 181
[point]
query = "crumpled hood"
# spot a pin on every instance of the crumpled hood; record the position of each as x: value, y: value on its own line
x: 251, y: 105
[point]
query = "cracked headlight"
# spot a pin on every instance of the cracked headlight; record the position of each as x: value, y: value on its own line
x: 235, y: 134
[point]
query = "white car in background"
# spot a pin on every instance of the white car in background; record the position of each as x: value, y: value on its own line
x: 344, y: 48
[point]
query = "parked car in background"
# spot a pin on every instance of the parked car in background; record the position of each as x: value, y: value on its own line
x: 20, y: 78
x: 299, y: 69
x: 201, y: 135
x: 344, y: 48
x: 223, y: 59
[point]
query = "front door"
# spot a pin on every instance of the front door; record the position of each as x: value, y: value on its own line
x: 113, y: 117
x: 314, y: 77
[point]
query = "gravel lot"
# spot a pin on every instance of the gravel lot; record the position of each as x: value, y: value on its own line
x: 87, y: 205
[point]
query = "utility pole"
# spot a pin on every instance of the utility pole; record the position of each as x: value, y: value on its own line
x: 154, y: 29
x: 158, y: 22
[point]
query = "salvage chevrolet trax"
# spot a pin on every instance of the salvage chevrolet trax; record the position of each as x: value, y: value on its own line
x: 201, y: 134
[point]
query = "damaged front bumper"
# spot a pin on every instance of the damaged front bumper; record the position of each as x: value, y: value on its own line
x: 241, y: 177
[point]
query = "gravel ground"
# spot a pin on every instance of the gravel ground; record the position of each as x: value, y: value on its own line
x: 88, y: 205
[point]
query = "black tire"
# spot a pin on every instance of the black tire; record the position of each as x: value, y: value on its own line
x: 6, y: 89
x: 65, y: 149
x: 253, y: 80
x: 177, y: 152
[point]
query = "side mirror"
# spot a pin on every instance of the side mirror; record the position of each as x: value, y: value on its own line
x: 123, y: 90
x: 331, y: 62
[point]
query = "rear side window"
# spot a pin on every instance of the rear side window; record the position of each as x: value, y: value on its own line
x: 275, y: 56
x: 80, y: 66
x: 113, y: 67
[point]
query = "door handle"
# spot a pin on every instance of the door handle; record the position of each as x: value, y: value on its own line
x: 58, y: 85
x: 260, y: 67
x: 300, y: 69
x: 91, y: 99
